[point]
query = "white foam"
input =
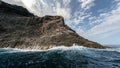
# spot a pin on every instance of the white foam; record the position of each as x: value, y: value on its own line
x: 74, y: 47
x: 64, y: 48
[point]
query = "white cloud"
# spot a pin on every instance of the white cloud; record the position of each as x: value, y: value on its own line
x: 45, y: 7
x: 17, y: 2
x: 81, y: 14
x: 110, y: 24
x: 86, y: 4
x: 117, y: 0
x: 53, y: 7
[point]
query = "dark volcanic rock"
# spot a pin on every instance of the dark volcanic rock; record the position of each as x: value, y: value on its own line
x: 13, y: 10
x: 21, y: 29
x: 2, y: 29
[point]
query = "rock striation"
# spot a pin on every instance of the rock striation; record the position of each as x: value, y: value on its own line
x: 21, y: 29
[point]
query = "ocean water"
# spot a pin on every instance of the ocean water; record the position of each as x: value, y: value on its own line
x: 60, y: 57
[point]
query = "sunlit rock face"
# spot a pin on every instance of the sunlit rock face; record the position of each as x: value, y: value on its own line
x: 21, y: 29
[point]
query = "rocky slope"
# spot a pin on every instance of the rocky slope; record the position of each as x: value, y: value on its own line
x: 21, y: 29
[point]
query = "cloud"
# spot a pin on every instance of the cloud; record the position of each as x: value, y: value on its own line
x: 81, y: 13
x: 58, y: 7
x: 86, y: 4
x: 109, y: 26
x: 45, y: 7
x: 16, y: 2
x: 51, y: 7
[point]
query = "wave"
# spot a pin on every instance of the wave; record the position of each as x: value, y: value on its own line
x: 74, y: 47
x: 60, y: 57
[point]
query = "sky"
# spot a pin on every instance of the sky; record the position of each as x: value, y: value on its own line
x: 96, y: 20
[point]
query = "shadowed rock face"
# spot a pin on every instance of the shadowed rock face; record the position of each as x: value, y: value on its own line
x: 21, y: 29
x: 8, y: 9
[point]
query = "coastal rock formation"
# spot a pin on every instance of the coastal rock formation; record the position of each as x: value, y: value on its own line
x: 21, y: 29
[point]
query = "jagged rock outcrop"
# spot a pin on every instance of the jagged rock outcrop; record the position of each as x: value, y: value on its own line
x: 21, y: 29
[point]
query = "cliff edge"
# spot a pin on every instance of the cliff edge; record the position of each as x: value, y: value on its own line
x: 21, y: 29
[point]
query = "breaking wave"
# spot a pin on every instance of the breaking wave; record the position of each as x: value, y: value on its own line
x: 60, y: 57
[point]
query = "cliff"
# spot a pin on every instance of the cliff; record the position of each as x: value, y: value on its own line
x: 21, y: 29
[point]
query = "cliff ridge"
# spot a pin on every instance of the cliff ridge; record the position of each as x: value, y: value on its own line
x: 21, y: 29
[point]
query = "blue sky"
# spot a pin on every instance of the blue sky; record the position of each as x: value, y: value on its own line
x: 96, y: 20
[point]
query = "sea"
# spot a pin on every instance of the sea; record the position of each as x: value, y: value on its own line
x: 60, y: 57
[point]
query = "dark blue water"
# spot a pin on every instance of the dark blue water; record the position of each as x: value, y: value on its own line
x: 60, y: 57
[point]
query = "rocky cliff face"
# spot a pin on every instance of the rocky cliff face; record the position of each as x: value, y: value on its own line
x: 21, y: 29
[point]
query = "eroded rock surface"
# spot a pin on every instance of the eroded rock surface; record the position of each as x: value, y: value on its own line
x: 21, y: 29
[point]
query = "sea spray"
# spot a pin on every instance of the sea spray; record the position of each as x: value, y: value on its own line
x: 65, y: 57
